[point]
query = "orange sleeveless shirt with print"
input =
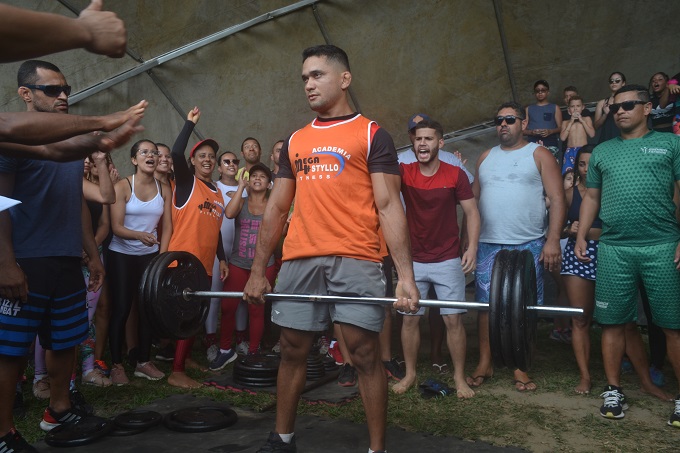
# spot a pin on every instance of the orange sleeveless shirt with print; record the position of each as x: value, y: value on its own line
x: 335, y: 212
x: 196, y: 224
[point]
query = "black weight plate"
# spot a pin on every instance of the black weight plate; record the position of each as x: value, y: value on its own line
x: 524, y: 321
x: 200, y: 419
x: 117, y: 431
x: 155, y: 305
x: 505, y: 324
x: 84, y: 431
x: 258, y: 385
x: 254, y: 379
x: 138, y: 419
x: 146, y: 300
x: 495, y: 300
x: 261, y: 377
x: 180, y: 317
x: 250, y: 374
x: 260, y: 361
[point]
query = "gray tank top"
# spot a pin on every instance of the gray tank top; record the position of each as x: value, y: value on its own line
x: 511, y: 203
x: 247, y: 226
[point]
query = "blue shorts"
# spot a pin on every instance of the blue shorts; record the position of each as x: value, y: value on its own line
x: 56, y: 308
x: 569, y: 161
x: 486, y: 254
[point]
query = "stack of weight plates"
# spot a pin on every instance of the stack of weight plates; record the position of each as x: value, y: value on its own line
x: 315, y: 367
x: 257, y: 370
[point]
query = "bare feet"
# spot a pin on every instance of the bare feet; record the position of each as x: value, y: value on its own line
x: 194, y: 365
x: 403, y: 385
x: 181, y: 380
x: 463, y: 391
x: 583, y: 387
x: 653, y: 390
x: 523, y: 382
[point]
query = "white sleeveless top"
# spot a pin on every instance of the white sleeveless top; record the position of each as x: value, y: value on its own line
x: 511, y: 203
x: 139, y: 216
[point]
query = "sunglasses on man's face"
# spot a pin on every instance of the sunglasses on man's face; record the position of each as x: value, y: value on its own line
x: 626, y: 106
x: 52, y: 91
x: 509, y: 120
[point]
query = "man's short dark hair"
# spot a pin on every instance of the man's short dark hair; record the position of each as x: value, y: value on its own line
x: 570, y: 88
x: 28, y: 71
x: 250, y: 138
x: 641, y: 91
x: 329, y: 51
x: 516, y: 106
x: 576, y: 97
x: 430, y: 124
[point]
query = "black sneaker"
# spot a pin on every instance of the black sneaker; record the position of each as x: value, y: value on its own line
x: 675, y: 416
x: 348, y: 376
x: 13, y: 442
x: 53, y: 419
x: 166, y: 353
x: 18, y: 410
x: 393, y: 370
x: 78, y: 402
x: 222, y: 360
x: 274, y: 444
x: 614, y: 402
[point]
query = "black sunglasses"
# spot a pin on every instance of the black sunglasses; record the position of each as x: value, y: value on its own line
x: 626, y: 106
x: 509, y: 119
x: 51, y: 90
x: 230, y: 161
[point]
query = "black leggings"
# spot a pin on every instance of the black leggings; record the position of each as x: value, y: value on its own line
x: 124, y: 273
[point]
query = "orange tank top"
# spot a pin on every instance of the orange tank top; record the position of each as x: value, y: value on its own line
x: 196, y: 224
x: 335, y: 212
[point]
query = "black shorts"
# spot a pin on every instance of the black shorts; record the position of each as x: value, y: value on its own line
x: 56, y: 308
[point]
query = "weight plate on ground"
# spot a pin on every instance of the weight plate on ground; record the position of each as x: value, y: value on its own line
x: 495, y: 306
x: 261, y: 361
x: 138, y: 419
x: 523, y: 320
x: 200, y: 419
x: 255, y: 380
x: 117, y: 431
x: 505, y: 323
x: 84, y: 431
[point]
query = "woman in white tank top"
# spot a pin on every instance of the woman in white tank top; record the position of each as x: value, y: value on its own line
x: 141, y: 202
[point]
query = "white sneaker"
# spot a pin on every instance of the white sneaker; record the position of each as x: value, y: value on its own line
x: 149, y: 371
x: 277, y: 347
x: 242, y: 348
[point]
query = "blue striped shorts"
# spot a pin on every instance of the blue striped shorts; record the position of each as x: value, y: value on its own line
x: 56, y: 308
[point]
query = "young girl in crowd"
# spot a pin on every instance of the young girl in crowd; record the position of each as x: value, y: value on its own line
x: 248, y: 213
x: 579, y: 277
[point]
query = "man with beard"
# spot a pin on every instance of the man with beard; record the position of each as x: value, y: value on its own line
x: 41, y: 244
x: 511, y: 182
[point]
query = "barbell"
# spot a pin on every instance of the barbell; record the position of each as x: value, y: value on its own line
x: 174, y: 294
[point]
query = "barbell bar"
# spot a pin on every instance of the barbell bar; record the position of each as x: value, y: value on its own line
x: 175, y: 295
x: 480, y: 306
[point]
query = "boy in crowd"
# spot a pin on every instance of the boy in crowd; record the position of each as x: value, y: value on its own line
x: 575, y: 131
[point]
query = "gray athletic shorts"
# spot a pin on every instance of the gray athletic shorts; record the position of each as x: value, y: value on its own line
x: 448, y: 280
x: 329, y: 275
